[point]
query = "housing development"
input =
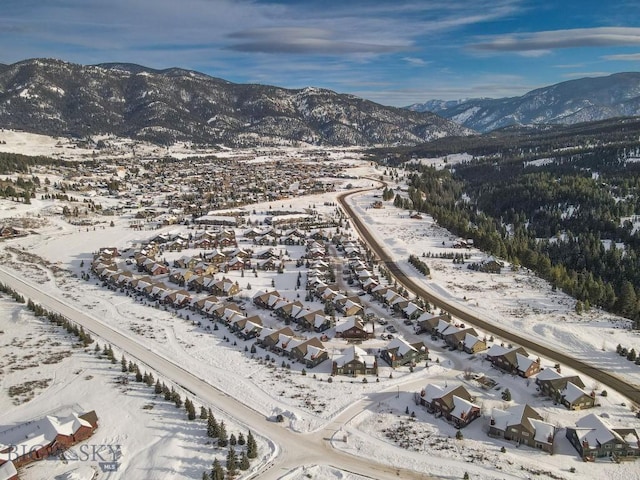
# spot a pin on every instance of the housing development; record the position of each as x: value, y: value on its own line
x: 228, y: 312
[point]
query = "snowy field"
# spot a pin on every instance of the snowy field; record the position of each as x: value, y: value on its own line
x: 45, y: 371
x: 52, y: 256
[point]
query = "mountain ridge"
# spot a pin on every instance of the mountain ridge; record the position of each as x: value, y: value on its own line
x: 574, y: 101
x: 54, y: 97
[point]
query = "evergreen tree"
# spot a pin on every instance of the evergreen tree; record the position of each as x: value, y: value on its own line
x: 232, y: 440
x: 213, y: 429
x: 506, y: 395
x: 206, y: 476
x: 150, y: 380
x: 223, y: 439
x: 232, y: 462
x: 244, y: 461
x: 252, y: 446
x: 203, y: 413
x: 166, y: 391
x: 123, y: 362
x: 241, y: 440
x: 138, y: 375
x: 217, y: 472
x: 191, y: 412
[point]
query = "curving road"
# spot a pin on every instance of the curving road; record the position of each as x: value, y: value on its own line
x: 607, y: 378
x: 291, y: 449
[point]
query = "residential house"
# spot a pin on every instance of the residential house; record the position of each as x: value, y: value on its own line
x: 594, y: 438
x: 513, y: 360
x: 523, y: 425
x: 453, y: 403
x: 39, y: 439
x: 177, y: 298
x: 454, y: 336
x: 472, y: 344
x: 353, y: 328
x: 355, y: 361
x: 203, y: 303
x: 428, y: 323
x: 225, y: 287
x: 313, y: 321
x: 567, y: 390
x: 310, y: 352
x: 261, y: 298
x: 575, y: 398
x: 246, y: 327
x: 399, y: 352
x: 270, y: 338
x: 412, y: 311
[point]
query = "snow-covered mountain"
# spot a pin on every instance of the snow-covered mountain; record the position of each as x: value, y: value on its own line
x: 59, y: 98
x: 575, y: 101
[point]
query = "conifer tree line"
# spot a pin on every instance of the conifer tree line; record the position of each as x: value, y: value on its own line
x: 61, y: 321
x: 12, y: 293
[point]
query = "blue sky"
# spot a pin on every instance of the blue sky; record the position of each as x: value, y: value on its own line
x: 393, y: 52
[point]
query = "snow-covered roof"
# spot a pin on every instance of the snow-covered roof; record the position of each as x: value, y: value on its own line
x: 496, y: 350
x: 349, y: 322
x: 544, y: 431
x: 402, y: 345
x: 461, y: 407
x: 38, y: 433
x: 7, y: 470
x: 548, y: 374
x: 355, y: 353
x: 470, y: 340
x: 594, y: 430
x: 523, y: 362
x: 572, y: 392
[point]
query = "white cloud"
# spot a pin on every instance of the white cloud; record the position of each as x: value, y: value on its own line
x: 416, y: 62
x: 625, y: 57
x: 554, y: 39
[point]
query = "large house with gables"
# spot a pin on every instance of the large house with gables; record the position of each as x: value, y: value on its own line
x: 399, y: 352
x: 32, y: 441
x: 453, y: 403
x: 355, y: 361
x: 594, y: 438
x: 514, y: 360
x: 353, y: 328
x: 310, y: 352
x: 567, y: 390
x: 523, y: 425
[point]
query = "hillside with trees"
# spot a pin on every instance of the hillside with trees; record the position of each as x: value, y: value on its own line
x: 567, y: 216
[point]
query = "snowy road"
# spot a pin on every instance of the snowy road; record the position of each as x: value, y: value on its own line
x: 291, y: 449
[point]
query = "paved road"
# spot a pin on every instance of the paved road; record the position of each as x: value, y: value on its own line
x: 292, y: 449
x: 607, y: 378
